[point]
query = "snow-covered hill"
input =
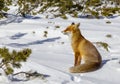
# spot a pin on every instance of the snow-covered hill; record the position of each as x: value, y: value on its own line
x: 53, y: 55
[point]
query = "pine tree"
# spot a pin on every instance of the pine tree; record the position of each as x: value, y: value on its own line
x: 28, y: 7
x: 11, y: 60
x: 61, y: 7
x: 4, y: 7
x: 1, y: 7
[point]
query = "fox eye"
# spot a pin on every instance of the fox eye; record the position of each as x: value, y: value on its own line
x: 73, y: 23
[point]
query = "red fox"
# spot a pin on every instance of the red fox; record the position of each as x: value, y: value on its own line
x: 83, y: 50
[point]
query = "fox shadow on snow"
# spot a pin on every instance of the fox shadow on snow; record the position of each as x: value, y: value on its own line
x: 107, y: 60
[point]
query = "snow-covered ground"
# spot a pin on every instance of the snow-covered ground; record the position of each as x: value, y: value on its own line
x: 53, y: 55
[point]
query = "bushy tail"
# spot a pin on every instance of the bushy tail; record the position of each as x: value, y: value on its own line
x: 86, y: 67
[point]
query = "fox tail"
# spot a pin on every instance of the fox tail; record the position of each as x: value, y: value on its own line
x: 86, y: 67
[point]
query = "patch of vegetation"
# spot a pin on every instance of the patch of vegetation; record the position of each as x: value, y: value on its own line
x: 108, y: 22
x: 4, y: 7
x: 104, y: 45
x: 117, y: 2
x: 94, y: 13
x: 62, y: 42
x: 93, y: 3
x: 63, y: 7
x: 47, y: 27
x: 64, y: 16
x: 29, y: 75
x: 109, y: 11
x: 96, y: 8
x: 57, y: 26
x: 49, y: 22
x: 59, y: 8
x: 45, y: 33
x: 10, y: 60
x: 1, y: 7
x: 109, y: 36
x: 33, y: 32
x: 75, y: 14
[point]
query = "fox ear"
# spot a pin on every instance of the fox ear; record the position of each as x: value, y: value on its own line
x: 73, y: 23
x: 78, y: 24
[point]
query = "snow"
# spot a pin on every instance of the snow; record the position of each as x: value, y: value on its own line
x: 53, y: 55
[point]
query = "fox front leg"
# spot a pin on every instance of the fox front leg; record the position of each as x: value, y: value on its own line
x: 79, y: 60
x: 76, y: 59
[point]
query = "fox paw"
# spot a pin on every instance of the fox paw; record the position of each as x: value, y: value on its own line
x: 71, y: 69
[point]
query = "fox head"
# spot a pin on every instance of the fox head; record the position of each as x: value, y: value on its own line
x: 71, y: 28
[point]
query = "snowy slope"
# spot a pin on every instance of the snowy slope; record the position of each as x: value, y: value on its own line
x: 53, y: 55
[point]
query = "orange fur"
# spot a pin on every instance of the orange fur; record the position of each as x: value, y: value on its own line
x: 83, y: 50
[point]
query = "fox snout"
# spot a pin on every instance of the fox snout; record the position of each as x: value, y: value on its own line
x: 65, y: 33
